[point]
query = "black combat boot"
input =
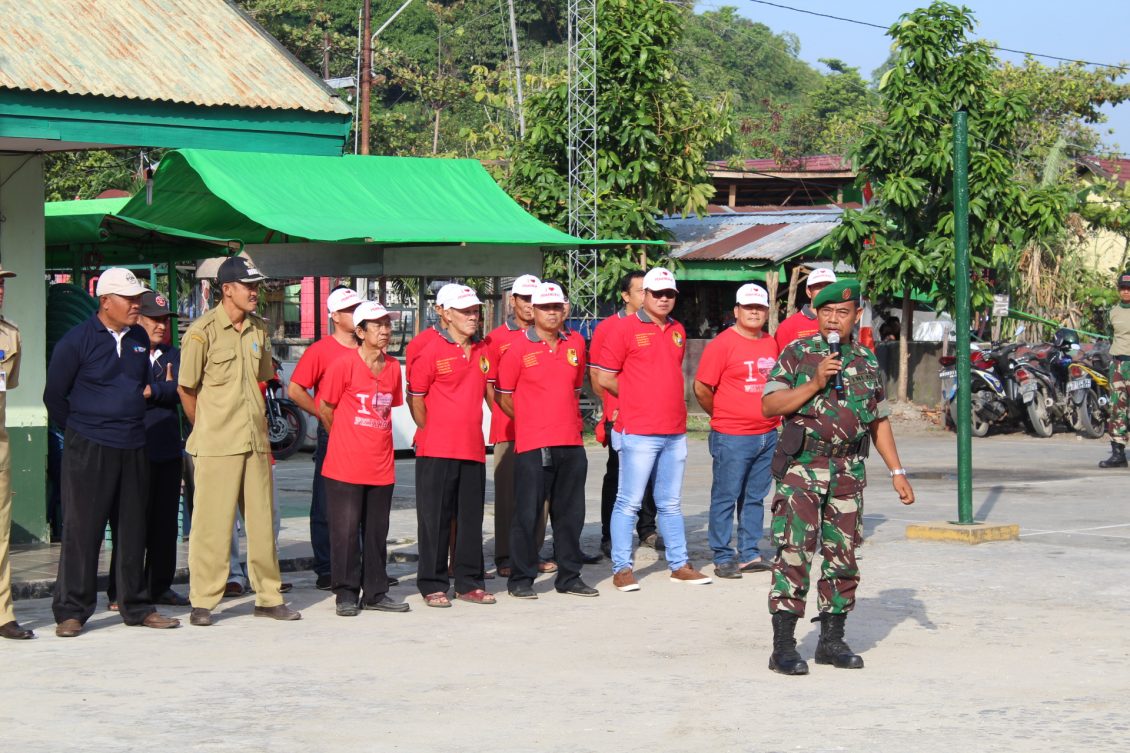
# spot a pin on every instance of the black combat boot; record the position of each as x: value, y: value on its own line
x: 832, y: 649
x: 785, y: 658
x: 1117, y: 457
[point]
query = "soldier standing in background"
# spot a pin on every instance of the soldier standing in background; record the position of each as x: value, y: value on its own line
x: 832, y: 401
x: 1119, y: 424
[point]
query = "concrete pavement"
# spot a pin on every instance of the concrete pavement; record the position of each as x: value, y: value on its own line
x: 1012, y: 646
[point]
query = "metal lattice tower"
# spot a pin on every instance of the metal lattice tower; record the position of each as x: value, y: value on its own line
x: 581, y: 139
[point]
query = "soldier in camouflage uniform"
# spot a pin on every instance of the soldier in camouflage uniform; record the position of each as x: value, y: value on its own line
x: 820, y: 475
x: 1119, y: 424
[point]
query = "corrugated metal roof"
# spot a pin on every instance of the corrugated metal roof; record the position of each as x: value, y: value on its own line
x: 766, y: 235
x: 201, y: 52
x: 813, y: 163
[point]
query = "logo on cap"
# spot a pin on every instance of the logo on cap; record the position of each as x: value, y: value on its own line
x: 847, y: 294
x: 160, y: 301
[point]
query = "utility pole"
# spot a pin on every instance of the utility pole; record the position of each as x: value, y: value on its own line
x: 961, y: 293
x: 517, y: 71
x: 365, y: 85
x: 581, y: 144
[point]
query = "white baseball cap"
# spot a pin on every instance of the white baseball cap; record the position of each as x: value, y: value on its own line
x: 659, y: 279
x: 118, y: 281
x: 524, y: 285
x: 819, y: 276
x: 753, y: 294
x: 548, y: 292
x: 462, y: 297
x: 342, y: 298
x: 446, y: 292
x: 369, y: 311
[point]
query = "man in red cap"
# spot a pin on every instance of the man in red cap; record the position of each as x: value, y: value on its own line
x: 308, y: 373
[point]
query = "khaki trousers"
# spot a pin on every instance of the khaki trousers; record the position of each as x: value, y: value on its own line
x: 224, y: 484
x: 6, y: 613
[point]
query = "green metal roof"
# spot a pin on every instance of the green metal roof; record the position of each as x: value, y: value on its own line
x: 200, y: 52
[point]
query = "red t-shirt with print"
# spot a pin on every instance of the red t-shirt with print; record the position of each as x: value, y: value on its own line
x: 360, y: 449
x: 737, y: 367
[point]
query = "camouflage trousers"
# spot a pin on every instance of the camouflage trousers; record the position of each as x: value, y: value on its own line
x: 802, y: 516
x: 1119, y: 424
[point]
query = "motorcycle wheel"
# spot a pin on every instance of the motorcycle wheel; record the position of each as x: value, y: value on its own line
x: 1038, y: 416
x: 285, y: 431
x: 1091, y: 422
x: 978, y: 427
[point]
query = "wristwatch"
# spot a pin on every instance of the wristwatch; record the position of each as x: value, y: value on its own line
x: 898, y: 472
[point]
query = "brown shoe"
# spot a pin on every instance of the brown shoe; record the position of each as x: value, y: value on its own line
x: 159, y: 621
x: 687, y: 574
x: 13, y: 631
x: 281, y: 612
x: 200, y: 617
x: 624, y: 580
x: 71, y: 628
x: 547, y: 566
x: 233, y: 589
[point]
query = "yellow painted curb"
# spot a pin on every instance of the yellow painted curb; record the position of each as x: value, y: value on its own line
x: 978, y: 533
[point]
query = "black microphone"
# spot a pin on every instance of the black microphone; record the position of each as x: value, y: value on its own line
x: 834, y: 345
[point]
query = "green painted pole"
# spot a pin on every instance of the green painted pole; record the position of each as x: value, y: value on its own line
x: 174, y: 302
x: 961, y: 286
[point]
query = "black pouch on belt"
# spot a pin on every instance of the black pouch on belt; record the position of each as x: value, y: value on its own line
x: 788, y: 446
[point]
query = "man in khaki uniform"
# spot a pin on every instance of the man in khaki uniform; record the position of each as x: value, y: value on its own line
x: 9, y: 378
x: 225, y: 354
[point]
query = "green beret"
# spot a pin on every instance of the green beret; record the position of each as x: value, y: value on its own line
x: 838, y: 292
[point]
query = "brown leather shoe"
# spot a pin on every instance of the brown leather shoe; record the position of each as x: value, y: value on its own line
x: 13, y: 631
x: 159, y: 621
x: 687, y: 574
x: 200, y: 617
x: 71, y: 628
x: 624, y: 580
x: 281, y: 612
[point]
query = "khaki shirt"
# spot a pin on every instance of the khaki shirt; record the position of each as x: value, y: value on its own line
x: 9, y: 365
x: 1120, y: 325
x: 225, y: 366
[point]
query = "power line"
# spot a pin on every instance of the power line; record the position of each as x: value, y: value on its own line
x: 991, y: 46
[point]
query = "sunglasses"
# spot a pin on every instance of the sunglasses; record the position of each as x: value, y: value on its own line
x: 664, y: 293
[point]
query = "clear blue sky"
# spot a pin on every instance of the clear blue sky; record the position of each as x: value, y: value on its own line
x: 1096, y: 30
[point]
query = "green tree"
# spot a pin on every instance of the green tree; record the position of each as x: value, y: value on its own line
x: 904, y: 241
x: 652, y: 135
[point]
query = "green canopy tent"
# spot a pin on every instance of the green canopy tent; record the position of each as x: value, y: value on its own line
x: 354, y: 215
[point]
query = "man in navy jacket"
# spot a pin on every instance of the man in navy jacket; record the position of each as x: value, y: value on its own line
x: 98, y: 383
x: 164, y: 448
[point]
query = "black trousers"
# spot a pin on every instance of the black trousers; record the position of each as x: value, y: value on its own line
x: 645, y: 525
x: 160, y: 530
x: 101, y: 484
x: 446, y: 490
x: 358, y: 526
x: 557, y: 474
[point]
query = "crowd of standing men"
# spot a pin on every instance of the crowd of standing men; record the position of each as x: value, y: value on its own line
x: 799, y: 408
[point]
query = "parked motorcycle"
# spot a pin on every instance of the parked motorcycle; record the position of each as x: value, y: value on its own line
x: 285, y: 422
x: 1088, y: 390
x: 994, y: 392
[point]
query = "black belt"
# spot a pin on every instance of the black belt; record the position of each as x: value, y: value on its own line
x: 831, y: 449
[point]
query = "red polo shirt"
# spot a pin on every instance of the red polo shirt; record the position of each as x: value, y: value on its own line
x: 360, y: 449
x: 737, y: 367
x: 453, y: 385
x: 416, y: 346
x: 799, y: 326
x: 498, y: 342
x: 312, y: 366
x: 648, y: 361
x: 545, y: 383
x: 609, y: 402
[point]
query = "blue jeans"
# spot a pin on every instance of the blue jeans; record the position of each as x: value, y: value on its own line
x: 660, y: 458
x: 741, y: 479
